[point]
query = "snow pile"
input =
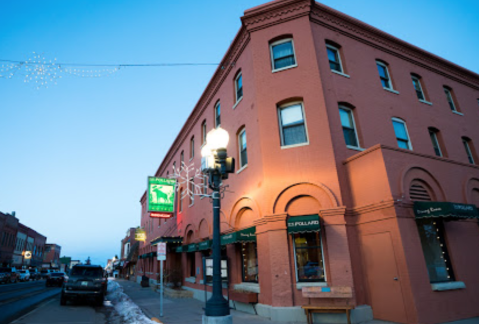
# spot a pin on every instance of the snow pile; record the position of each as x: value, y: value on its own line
x: 124, y: 306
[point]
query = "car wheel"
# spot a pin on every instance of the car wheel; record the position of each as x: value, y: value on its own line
x: 99, y: 301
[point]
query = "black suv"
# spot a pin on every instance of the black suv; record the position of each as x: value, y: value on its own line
x: 84, y: 282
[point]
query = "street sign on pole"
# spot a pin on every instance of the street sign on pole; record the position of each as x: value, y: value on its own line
x: 161, y: 256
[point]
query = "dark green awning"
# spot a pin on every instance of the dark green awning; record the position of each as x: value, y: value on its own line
x: 205, y: 245
x: 246, y: 235
x: 302, y: 224
x: 191, y: 247
x: 432, y: 209
x: 167, y: 239
x: 181, y: 248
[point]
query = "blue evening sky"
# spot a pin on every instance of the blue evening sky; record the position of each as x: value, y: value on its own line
x: 74, y: 157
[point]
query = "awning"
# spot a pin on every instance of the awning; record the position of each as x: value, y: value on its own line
x: 167, y: 239
x: 205, y: 245
x: 303, y: 224
x: 191, y: 247
x: 432, y: 209
x: 180, y: 248
x: 246, y: 235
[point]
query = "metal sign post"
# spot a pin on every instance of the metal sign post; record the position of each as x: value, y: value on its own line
x: 161, y: 256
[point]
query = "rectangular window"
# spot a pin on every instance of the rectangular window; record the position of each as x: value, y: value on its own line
x: 217, y: 115
x: 282, y: 54
x: 205, y: 185
x: 243, y: 155
x: 449, y: 99
x: 181, y: 200
x: 349, y: 128
x: 431, y: 232
x: 239, y: 87
x: 402, y: 136
x: 203, y: 133
x: 182, y: 159
x: 192, y: 147
x: 309, y: 257
x: 384, y: 75
x: 334, y: 59
x: 192, y: 191
x: 417, y: 86
x: 435, y: 142
x: 250, y: 262
x: 468, y: 150
x: 293, y: 128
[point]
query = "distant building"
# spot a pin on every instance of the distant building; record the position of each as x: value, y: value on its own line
x: 52, y: 255
x: 74, y: 263
x: 129, y: 254
x: 8, y: 229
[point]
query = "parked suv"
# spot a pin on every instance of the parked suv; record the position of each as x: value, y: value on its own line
x: 84, y: 282
x: 8, y: 275
x: 24, y: 275
x: 34, y: 274
x: 44, y: 274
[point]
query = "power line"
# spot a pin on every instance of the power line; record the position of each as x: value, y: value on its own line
x: 113, y: 65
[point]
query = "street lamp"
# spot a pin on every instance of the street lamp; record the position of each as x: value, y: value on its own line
x: 217, y: 166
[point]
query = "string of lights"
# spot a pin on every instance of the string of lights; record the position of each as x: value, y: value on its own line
x: 42, y: 72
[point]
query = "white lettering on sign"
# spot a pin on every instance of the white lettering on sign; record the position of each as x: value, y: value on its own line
x: 161, y: 251
x: 308, y: 223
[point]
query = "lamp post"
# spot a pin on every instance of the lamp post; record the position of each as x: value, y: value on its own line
x: 217, y: 166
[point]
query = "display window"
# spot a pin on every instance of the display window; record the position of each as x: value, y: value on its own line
x: 250, y: 261
x: 309, y: 257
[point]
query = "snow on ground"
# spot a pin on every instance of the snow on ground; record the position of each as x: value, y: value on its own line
x: 129, y: 312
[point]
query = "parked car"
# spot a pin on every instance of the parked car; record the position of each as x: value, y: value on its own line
x: 8, y: 275
x: 44, y: 273
x: 56, y: 279
x: 24, y: 275
x: 84, y: 282
x: 34, y: 274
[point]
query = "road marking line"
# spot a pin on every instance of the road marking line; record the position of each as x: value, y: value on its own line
x: 33, y: 311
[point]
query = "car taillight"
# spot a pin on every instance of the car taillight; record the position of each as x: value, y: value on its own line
x: 65, y: 280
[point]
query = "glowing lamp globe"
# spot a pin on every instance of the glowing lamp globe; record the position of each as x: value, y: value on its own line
x: 217, y: 139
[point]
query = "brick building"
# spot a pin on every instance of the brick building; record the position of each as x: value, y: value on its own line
x: 8, y: 232
x: 51, y: 257
x: 357, y: 173
x: 129, y: 254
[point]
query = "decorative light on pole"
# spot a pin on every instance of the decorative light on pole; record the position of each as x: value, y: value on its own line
x: 217, y: 166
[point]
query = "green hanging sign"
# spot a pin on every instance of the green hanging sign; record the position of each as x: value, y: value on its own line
x: 431, y: 209
x: 161, y: 197
x: 246, y: 235
x: 303, y: 224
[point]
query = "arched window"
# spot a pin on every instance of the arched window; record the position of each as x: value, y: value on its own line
x: 282, y: 54
x: 350, y: 133
x: 402, y: 135
x: 242, y: 148
x: 192, y: 147
x: 217, y: 114
x: 292, y: 124
x: 450, y: 99
x: 203, y: 132
x: 434, y: 134
x: 384, y: 75
x: 416, y: 82
x: 238, y: 87
x: 470, y: 151
x: 334, y: 57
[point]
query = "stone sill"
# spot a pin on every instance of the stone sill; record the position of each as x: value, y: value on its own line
x: 248, y: 286
x: 457, y: 113
x: 443, y: 286
x: 425, y: 102
x: 391, y: 90
x: 301, y: 285
x: 237, y: 102
x: 340, y: 73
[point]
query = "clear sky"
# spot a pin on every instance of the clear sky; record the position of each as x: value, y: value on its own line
x: 74, y: 157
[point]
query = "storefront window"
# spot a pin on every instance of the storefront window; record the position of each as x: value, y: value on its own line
x: 250, y: 262
x: 191, y: 261
x: 434, y: 248
x: 309, y: 257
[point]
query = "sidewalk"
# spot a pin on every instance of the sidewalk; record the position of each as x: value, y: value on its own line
x: 178, y: 311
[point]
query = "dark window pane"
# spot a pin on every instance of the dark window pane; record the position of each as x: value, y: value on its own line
x: 294, y: 135
x: 250, y: 262
x: 333, y: 57
x: 350, y: 137
x: 403, y: 144
x: 284, y: 62
x: 309, y: 260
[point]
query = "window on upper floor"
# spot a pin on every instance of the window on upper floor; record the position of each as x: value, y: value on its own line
x: 282, y: 54
x: 203, y: 132
x: 191, y: 195
x: 471, y: 154
x: 450, y: 98
x: 349, y: 127
x: 384, y: 75
x: 192, y: 147
x: 243, y: 154
x: 416, y: 82
x: 334, y: 57
x: 402, y: 135
x: 217, y: 115
x: 182, y: 158
x: 239, y: 87
x: 292, y: 124
x: 180, y: 197
x: 205, y: 185
x: 434, y: 134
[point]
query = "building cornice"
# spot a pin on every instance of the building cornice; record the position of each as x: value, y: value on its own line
x: 374, y: 37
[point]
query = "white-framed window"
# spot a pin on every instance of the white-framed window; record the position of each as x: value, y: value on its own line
x: 282, y: 54
x: 435, y: 142
x: 384, y: 75
x: 181, y: 200
x: 450, y: 99
x: 349, y: 127
x: 334, y: 58
x: 182, y: 158
x: 402, y: 135
x: 470, y: 156
x: 292, y: 124
x: 217, y: 115
x: 192, y: 147
x: 309, y: 259
x: 203, y: 133
x: 205, y: 185
x: 239, y: 86
x: 416, y: 82
x: 243, y: 153
x: 192, y: 191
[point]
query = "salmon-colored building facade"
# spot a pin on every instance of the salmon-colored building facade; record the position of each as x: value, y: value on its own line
x: 356, y: 179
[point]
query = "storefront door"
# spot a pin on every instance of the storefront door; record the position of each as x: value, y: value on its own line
x: 383, y: 281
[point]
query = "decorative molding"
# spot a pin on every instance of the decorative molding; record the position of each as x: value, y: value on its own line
x: 374, y: 37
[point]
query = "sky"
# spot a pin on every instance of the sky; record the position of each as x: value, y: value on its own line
x: 74, y: 157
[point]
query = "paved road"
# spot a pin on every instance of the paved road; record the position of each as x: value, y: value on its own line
x: 16, y: 299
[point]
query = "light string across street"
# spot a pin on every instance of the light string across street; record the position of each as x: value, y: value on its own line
x: 42, y: 72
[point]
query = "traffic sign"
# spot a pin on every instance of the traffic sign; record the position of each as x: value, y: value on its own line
x: 161, y: 252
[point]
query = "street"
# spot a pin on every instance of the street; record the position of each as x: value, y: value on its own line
x: 21, y: 297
